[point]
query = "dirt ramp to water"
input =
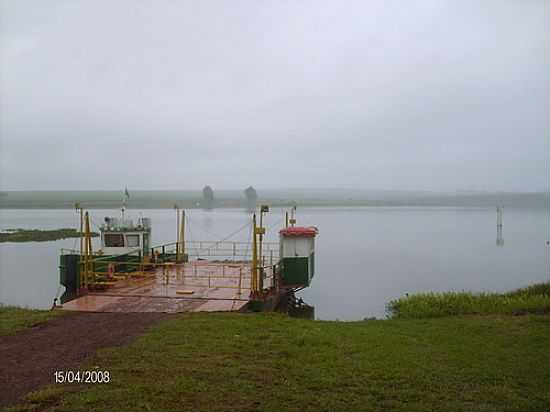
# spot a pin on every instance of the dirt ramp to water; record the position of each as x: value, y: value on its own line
x: 30, y: 358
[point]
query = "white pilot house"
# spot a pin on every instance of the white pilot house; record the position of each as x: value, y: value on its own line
x: 297, y: 255
x: 120, y: 236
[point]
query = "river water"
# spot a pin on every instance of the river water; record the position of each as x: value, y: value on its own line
x: 365, y: 256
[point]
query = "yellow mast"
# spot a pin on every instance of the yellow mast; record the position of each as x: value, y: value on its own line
x: 177, y: 232
x: 254, y: 257
x: 259, y: 265
x: 182, y: 235
x: 88, y: 264
x: 80, y: 262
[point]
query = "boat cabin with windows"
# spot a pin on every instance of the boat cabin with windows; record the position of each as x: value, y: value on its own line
x: 121, y: 236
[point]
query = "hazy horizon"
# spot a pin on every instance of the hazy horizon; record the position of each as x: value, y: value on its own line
x: 437, y: 96
x: 289, y: 189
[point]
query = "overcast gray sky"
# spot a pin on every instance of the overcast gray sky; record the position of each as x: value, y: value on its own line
x: 432, y: 95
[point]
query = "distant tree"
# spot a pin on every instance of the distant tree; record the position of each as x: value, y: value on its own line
x: 251, y: 197
x: 207, y: 197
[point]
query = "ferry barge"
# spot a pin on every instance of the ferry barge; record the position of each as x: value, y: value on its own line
x: 129, y: 275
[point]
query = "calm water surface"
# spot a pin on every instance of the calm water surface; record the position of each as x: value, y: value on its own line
x: 364, y: 256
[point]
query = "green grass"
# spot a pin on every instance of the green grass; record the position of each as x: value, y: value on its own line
x: 270, y: 362
x: 13, y: 319
x: 36, y: 235
x: 532, y: 299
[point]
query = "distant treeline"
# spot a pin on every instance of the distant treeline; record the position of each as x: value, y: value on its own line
x: 159, y: 199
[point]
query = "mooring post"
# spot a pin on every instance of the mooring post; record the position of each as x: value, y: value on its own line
x: 500, y: 239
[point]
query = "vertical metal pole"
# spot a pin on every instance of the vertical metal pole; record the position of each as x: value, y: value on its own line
x: 86, y: 254
x: 81, y: 229
x: 261, y: 236
x: 261, y: 256
x: 88, y: 251
x: 500, y: 239
x: 182, y: 234
x: 81, y: 262
x: 177, y: 232
x: 240, y: 278
x: 286, y: 218
x: 84, y: 265
x: 254, y: 273
x: 260, y: 253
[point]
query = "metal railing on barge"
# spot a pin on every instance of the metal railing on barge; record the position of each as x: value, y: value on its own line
x: 206, y: 249
x: 216, y: 264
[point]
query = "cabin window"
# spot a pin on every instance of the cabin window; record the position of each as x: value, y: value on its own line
x: 114, y: 240
x: 132, y: 240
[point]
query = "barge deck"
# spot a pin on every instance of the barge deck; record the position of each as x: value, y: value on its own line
x: 199, y: 286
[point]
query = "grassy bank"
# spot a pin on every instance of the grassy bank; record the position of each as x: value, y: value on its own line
x: 533, y: 299
x: 35, y: 235
x: 13, y: 320
x: 271, y: 362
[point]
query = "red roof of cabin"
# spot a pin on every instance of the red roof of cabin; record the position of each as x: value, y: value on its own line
x: 299, y: 231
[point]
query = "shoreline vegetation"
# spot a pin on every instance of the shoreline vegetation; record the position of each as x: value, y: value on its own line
x: 38, y: 235
x: 534, y: 299
x: 190, y: 199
